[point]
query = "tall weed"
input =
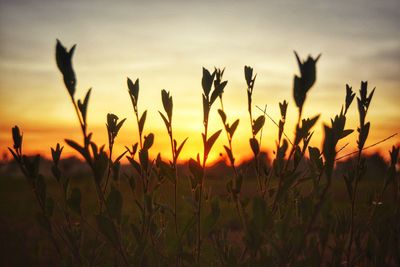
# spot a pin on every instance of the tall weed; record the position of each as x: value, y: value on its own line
x: 289, y: 219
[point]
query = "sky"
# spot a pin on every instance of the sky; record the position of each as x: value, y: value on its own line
x: 166, y: 43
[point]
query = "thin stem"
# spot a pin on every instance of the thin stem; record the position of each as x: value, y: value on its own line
x: 372, y: 213
x: 110, y: 146
x: 174, y: 160
x: 296, y: 144
x: 262, y: 128
x: 314, y: 216
x: 374, y: 144
x: 232, y: 162
x: 140, y: 132
x: 201, y: 191
x: 286, y: 164
x: 81, y: 122
x: 256, y: 162
x: 353, y: 199
x: 266, y: 114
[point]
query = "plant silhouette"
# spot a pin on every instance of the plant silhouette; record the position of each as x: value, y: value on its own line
x: 282, y: 215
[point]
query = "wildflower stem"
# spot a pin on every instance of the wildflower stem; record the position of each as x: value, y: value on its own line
x: 274, y: 122
x: 201, y: 191
x: 367, y: 147
x: 353, y: 200
x: 238, y: 205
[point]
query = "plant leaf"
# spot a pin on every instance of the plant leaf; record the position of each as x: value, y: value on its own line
x: 207, y: 81
x: 166, y: 122
x: 210, y: 142
x: 148, y: 141
x: 135, y: 164
x: 217, y: 92
x: 254, y: 146
x: 144, y: 159
x: 229, y: 153
x: 133, y: 90
x: 178, y: 151
x: 142, y: 121
x: 346, y: 133
x: 258, y: 124
x: 78, y: 148
x: 195, y: 169
x: 222, y: 115
x: 232, y: 129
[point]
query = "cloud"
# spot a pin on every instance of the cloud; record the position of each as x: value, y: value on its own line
x: 383, y: 63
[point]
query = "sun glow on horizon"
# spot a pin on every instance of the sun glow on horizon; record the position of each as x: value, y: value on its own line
x: 165, y: 45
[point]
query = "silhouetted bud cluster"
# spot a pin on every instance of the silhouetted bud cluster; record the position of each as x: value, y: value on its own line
x: 56, y: 153
x: 349, y: 97
x: 64, y: 64
x: 17, y: 138
x: 306, y: 80
x: 133, y: 89
x: 363, y: 104
x: 167, y: 104
x: 113, y: 126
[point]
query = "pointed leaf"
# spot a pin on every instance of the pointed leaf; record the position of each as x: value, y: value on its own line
x: 217, y: 92
x: 230, y: 155
x: 135, y: 164
x: 210, y: 142
x: 346, y: 133
x: 148, y: 141
x: 196, y: 169
x: 207, y: 81
x: 119, y: 125
x: 248, y: 74
x: 78, y: 148
x: 254, y: 146
x: 144, y: 159
x: 167, y: 103
x: 83, y: 106
x: 178, y: 151
x: 133, y: 89
x: 232, y: 129
x: 64, y: 64
x: 166, y: 122
x: 120, y: 156
x: 13, y: 153
x: 222, y: 115
x: 142, y: 121
x: 258, y: 124
x: 17, y: 137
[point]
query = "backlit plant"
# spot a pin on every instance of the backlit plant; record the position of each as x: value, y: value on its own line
x: 289, y: 218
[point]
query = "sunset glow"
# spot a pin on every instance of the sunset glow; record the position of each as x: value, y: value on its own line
x: 166, y: 44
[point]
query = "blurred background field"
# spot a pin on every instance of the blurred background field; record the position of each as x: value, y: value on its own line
x: 24, y: 243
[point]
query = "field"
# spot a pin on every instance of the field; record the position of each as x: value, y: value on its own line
x: 24, y: 243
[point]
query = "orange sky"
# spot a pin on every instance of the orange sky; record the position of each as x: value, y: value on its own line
x: 165, y: 44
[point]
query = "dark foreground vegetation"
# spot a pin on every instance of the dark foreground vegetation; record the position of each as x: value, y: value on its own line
x: 301, y: 208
